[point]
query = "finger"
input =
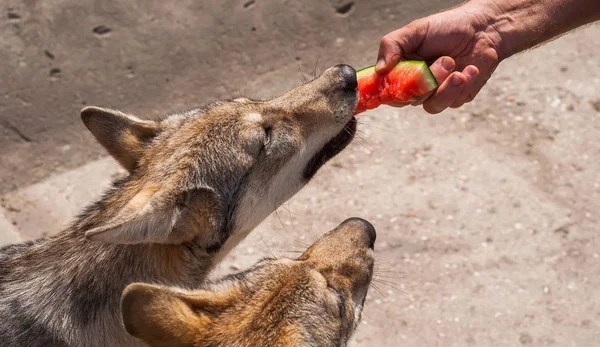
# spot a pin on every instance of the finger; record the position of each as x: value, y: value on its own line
x: 441, y: 69
x: 485, y: 64
x: 397, y: 44
x: 446, y: 94
x: 389, y: 54
x: 480, y: 82
x: 398, y: 104
x: 471, y: 73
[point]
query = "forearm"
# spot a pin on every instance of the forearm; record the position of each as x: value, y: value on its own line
x: 522, y: 24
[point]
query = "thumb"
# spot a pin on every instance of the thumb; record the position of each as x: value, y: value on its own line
x: 399, y: 44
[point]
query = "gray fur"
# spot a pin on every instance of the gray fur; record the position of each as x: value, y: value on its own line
x: 208, y: 169
x: 314, y: 300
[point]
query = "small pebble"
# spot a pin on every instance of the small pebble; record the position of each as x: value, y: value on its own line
x: 101, y: 30
x: 595, y: 104
x: 532, y: 231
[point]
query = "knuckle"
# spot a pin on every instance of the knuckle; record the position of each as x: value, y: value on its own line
x: 386, y: 40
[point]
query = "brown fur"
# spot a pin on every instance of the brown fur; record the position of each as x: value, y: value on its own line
x: 199, y: 181
x: 315, y: 300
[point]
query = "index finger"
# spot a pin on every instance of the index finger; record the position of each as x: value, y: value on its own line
x: 397, y: 44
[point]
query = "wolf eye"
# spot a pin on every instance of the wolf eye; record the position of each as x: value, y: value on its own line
x: 267, y: 137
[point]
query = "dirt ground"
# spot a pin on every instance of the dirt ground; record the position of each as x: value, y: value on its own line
x: 487, y: 216
x: 151, y: 57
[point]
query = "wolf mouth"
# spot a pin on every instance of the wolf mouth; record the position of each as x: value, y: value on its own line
x: 331, y: 149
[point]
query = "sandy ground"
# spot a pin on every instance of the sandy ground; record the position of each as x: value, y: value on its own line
x: 487, y: 216
x: 151, y: 57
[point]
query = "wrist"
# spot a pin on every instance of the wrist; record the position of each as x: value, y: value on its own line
x: 510, y: 26
x: 517, y: 25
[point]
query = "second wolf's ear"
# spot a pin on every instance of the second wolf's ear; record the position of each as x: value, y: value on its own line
x: 158, y: 215
x: 123, y: 136
x: 164, y: 317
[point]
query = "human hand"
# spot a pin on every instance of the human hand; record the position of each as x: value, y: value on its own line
x: 466, y: 48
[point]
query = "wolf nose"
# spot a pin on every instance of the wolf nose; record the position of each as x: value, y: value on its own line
x: 367, y: 227
x: 348, y: 76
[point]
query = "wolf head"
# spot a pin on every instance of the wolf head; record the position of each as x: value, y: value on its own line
x: 212, y: 174
x: 314, y: 300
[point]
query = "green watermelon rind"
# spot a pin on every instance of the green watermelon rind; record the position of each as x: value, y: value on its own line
x: 429, y: 78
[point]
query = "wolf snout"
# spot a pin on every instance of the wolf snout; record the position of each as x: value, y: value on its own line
x: 348, y: 76
x: 364, y: 227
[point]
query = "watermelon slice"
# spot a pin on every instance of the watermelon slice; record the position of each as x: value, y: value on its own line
x: 405, y: 83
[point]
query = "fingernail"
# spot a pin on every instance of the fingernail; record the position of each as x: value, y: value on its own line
x: 456, y: 81
x: 471, y: 71
x: 380, y: 64
x: 448, y: 63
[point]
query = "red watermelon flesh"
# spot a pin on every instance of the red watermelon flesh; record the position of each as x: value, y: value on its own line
x: 405, y: 83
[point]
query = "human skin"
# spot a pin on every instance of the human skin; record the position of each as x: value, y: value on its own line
x: 466, y: 43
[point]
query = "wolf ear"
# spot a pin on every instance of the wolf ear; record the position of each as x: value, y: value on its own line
x: 123, y: 136
x: 164, y: 317
x: 155, y: 215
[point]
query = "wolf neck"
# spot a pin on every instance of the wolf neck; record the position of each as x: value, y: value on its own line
x: 91, y: 276
x: 181, y: 264
x: 163, y: 263
x: 172, y: 264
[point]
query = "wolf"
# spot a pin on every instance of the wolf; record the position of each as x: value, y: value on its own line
x: 315, y: 300
x: 198, y: 182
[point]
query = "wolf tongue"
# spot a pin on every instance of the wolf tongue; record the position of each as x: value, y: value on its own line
x: 406, y: 83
